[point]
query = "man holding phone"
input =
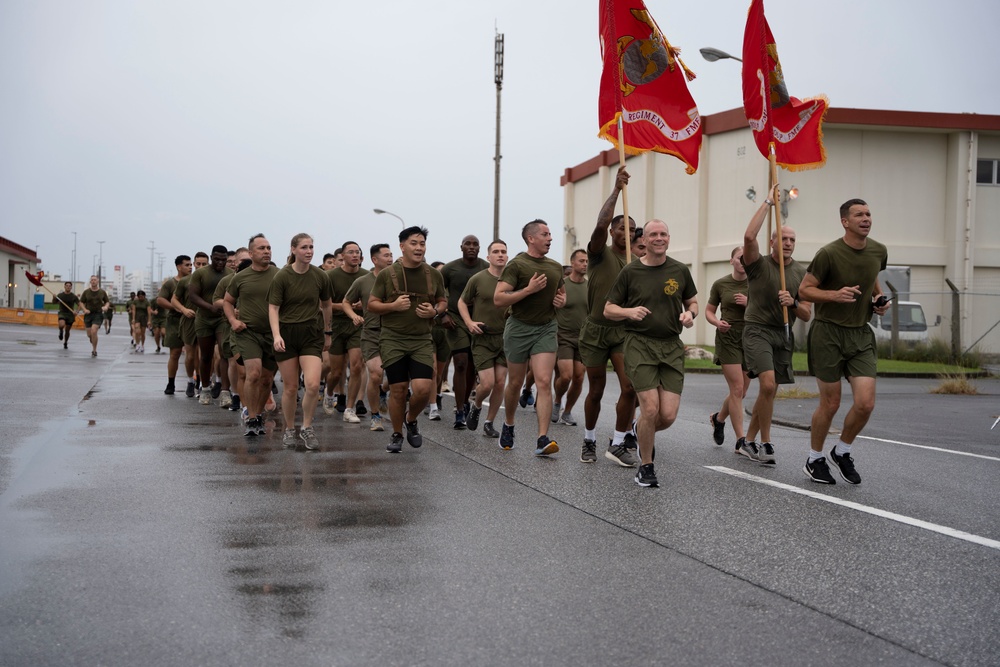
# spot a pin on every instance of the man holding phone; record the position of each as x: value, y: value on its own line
x: 842, y: 281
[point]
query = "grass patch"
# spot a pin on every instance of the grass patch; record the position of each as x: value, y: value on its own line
x: 955, y: 384
x: 796, y: 392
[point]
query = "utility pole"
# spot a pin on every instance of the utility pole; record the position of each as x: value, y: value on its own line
x: 498, y: 78
x: 100, y: 264
x: 72, y: 270
x: 152, y: 251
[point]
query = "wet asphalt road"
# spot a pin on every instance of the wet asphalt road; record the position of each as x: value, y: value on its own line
x: 137, y: 528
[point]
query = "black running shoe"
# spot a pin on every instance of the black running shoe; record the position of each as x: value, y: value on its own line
x: 630, y: 443
x: 341, y: 403
x: 589, y: 452
x: 472, y: 420
x: 395, y: 445
x: 360, y: 409
x: 252, y: 426
x: 545, y: 446
x: 169, y: 391
x: 718, y: 429
x: 645, y: 476
x: 60, y: 334
x: 526, y: 398
x: 413, y: 435
x: 216, y: 390
x: 506, y: 436
x: 235, y: 406
x: 845, y: 464
x: 189, y: 392
x: 460, y: 420
x: 819, y: 471
x: 489, y: 431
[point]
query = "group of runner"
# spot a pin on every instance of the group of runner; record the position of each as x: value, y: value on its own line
x: 520, y: 331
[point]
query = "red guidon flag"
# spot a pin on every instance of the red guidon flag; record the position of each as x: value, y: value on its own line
x: 645, y: 82
x: 795, y: 126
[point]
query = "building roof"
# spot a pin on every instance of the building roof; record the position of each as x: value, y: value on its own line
x: 735, y: 119
x: 9, y: 247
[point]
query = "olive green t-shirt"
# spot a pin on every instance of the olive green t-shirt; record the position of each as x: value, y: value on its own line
x: 167, y: 290
x: 723, y: 296
x: 535, y: 308
x: 457, y: 274
x: 204, y: 281
x: 764, y: 278
x: 298, y: 295
x: 602, y: 270
x: 94, y: 300
x: 340, y: 282
x: 250, y: 289
x: 181, y: 291
x: 412, y: 282
x: 478, y: 296
x: 572, y: 316
x: 141, y: 308
x: 838, y: 265
x: 67, y: 302
x: 662, y: 289
x: 360, y: 291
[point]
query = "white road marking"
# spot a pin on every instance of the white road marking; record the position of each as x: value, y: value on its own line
x: 936, y: 449
x: 926, y: 525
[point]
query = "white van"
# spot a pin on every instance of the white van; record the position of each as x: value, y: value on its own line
x: 912, y: 323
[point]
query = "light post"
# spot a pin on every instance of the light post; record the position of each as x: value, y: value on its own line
x: 100, y: 264
x: 711, y: 55
x: 72, y: 270
x: 380, y: 212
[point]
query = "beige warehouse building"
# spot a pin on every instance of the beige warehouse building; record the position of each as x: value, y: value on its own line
x: 932, y: 181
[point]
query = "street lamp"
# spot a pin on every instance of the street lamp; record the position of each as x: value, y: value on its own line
x: 787, y: 196
x: 380, y: 212
x: 100, y: 264
x: 711, y: 55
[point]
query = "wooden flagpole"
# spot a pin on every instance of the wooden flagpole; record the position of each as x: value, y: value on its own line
x: 621, y: 161
x: 781, y: 243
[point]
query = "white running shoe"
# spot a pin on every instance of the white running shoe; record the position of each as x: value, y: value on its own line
x: 351, y: 417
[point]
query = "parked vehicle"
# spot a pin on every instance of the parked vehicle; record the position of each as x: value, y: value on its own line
x: 913, y: 326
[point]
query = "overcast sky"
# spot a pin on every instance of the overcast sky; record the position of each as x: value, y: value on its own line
x: 194, y: 123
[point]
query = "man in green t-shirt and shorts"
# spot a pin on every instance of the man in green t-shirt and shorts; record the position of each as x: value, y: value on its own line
x: 172, y: 337
x: 767, y: 352
x: 485, y: 322
x: 68, y: 304
x: 408, y: 295
x: 345, y: 338
x: 602, y: 340
x: 656, y: 298
x: 570, y: 318
x: 95, y: 303
x: 531, y: 285
x: 842, y: 281
x: 371, y: 328
x: 209, y: 323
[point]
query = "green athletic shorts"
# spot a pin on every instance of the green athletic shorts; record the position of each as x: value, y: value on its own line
x: 598, y: 342
x: 394, y: 346
x: 251, y: 344
x: 172, y: 337
x: 765, y: 349
x: 487, y: 351
x: 442, y: 349
x: 836, y: 352
x: 459, y: 338
x: 345, y: 336
x: 302, y: 339
x: 187, y: 330
x: 729, y: 346
x: 568, y: 345
x: 369, y: 344
x: 521, y: 341
x: 205, y: 327
x: 93, y: 319
x: 654, y: 362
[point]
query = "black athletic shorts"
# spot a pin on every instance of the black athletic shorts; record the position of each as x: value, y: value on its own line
x: 407, y: 369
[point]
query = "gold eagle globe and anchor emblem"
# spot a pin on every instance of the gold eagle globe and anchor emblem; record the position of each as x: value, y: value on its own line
x: 643, y: 61
x: 670, y: 287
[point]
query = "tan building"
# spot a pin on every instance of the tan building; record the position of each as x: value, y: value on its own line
x: 15, y: 259
x: 932, y: 181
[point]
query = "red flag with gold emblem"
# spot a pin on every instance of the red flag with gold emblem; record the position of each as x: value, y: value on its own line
x: 794, y: 126
x: 645, y: 82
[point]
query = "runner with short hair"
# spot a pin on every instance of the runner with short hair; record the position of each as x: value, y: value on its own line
x: 95, y: 303
x: 209, y: 322
x: 172, y: 337
x: 68, y: 305
x: 570, y: 318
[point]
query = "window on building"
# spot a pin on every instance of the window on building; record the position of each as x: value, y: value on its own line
x: 986, y: 172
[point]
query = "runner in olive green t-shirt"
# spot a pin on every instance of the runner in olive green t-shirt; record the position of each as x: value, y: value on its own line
x: 767, y: 351
x: 230, y: 399
x: 209, y: 322
x: 345, y: 342
x: 727, y: 301
x: 140, y: 320
x: 531, y: 285
x: 95, y: 302
x: 485, y: 323
x: 602, y: 340
x: 408, y: 295
x: 68, y: 305
x: 173, y: 335
x: 843, y: 282
x: 296, y: 292
x: 570, y: 319
x: 656, y: 298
